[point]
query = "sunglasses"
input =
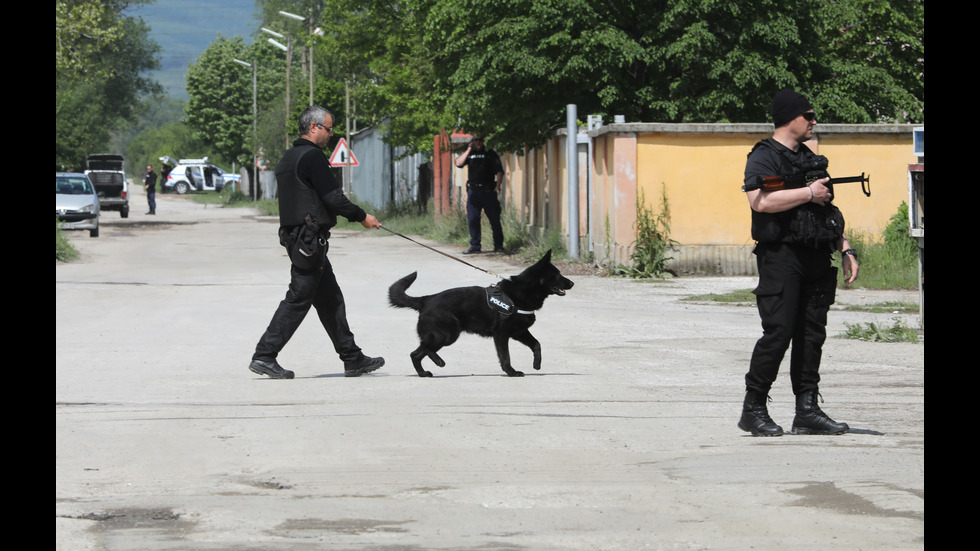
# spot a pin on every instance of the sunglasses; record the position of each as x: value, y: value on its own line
x: 810, y: 116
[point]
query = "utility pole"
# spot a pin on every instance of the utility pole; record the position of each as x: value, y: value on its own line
x: 347, y: 173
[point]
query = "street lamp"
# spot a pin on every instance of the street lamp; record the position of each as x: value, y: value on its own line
x: 318, y: 32
x: 255, y: 167
x: 313, y: 32
x: 288, y: 48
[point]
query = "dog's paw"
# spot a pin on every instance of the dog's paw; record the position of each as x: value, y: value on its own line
x: 425, y: 374
x: 515, y: 373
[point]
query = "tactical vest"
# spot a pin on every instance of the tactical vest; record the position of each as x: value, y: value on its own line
x: 809, y: 224
x: 296, y: 197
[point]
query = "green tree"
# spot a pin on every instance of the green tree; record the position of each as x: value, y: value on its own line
x: 328, y: 81
x: 154, y: 111
x: 671, y: 61
x: 174, y: 139
x: 221, y: 95
x: 428, y: 64
x: 873, y: 62
x: 100, y: 59
x: 85, y: 32
x: 375, y: 49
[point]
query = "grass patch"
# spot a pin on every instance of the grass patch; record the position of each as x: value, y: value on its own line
x: 888, y: 307
x: 745, y: 296
x: 64, y: 251
x: 738, y: 297
x: 889, y: 263
x: 228, y: 197
x: 899, y: 331
x: 453, y: 229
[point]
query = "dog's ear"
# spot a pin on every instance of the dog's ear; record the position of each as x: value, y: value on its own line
x: 547, y: 256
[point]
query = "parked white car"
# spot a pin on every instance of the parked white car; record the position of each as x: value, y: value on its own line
x: 196, y: 175
x: 76, y: 203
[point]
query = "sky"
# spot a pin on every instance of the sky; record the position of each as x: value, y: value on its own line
x: 185, y: 28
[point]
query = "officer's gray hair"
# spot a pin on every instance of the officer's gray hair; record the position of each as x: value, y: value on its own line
x: 310, y: 115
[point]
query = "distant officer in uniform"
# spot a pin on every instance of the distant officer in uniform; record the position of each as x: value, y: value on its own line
x: 150, y: 185
x: 310, y: 199
x: 796, y: 231
x: 486, y: 173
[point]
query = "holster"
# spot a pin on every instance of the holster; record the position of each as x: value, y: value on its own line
x: 304, y: 244
x: 823, y: 293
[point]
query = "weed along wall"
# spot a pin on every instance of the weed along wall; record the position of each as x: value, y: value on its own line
x: 700, y: 167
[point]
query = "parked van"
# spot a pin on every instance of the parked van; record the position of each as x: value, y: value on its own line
x: 105, y: 171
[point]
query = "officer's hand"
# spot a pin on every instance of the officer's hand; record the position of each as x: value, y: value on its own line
x: 850, y: 265
x: 371, y: 222
x: 821, y: 193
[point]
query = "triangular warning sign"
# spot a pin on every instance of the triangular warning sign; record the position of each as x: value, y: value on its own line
x: 342, y: 155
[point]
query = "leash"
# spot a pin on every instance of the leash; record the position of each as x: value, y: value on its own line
x: 440, y: 252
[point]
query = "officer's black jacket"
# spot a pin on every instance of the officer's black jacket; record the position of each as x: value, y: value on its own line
x: 307, y: 186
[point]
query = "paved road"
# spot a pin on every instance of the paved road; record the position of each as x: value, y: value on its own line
x: 625, y: 440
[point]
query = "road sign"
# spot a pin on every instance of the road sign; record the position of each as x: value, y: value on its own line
x: 342, y: 155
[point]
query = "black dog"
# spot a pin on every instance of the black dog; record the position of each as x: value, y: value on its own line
x: 504, y: 311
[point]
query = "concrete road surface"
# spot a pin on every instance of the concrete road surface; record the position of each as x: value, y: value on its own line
x: 624, y: 440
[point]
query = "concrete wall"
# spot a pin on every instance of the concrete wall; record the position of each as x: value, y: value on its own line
x: 701, y: 167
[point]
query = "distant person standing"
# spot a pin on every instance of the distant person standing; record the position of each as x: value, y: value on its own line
x: 150, y: 185
x: 486, y: 173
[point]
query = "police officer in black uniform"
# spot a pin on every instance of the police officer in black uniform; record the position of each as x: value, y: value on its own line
x: 310, y: 199
x: 796, y: 231
x: 486, y: 172
x: 150, y: 186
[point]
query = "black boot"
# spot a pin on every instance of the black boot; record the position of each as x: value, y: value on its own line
x: 755, y: 416
x: 365, y: 364
x: 810, y: 419
x: 270, y: 368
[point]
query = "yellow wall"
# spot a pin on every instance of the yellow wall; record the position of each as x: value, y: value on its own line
x: 701, y: 166
x: 885, y: 157
x: 703, y: 175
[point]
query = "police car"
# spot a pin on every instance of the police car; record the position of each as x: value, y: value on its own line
x: 195, y: 175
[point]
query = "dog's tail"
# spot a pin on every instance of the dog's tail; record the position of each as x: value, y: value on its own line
x: 397, y: 296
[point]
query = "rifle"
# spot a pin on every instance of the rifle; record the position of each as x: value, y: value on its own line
x: 773, y: 183
x: 812, y: 168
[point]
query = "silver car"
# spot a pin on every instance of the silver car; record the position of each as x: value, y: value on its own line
x: 76, y: 203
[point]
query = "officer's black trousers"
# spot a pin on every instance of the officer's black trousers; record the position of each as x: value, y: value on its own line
x: 796, y: 288
x: 317, y: 288
x: 484, y: 200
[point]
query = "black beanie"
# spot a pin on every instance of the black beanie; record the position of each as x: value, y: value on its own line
x: 787, y: 105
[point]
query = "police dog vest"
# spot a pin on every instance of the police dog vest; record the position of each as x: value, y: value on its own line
x: 501, y: 303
